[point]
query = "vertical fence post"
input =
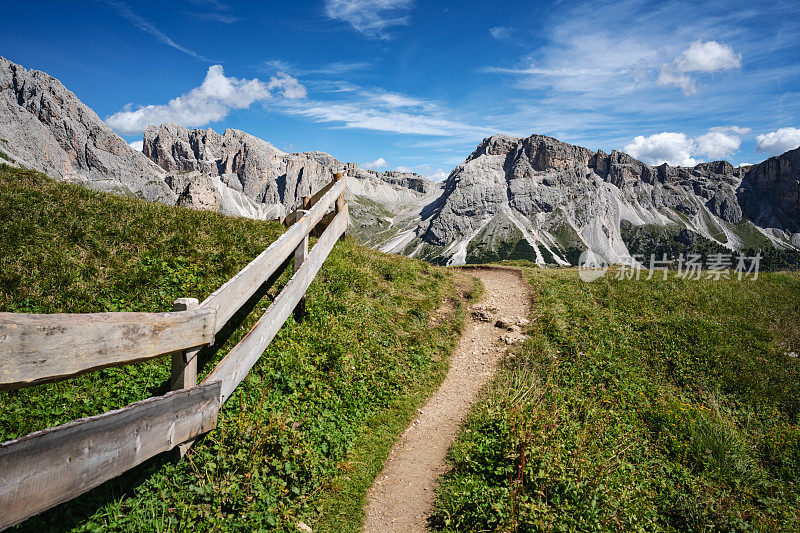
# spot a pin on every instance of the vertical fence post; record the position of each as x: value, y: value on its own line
x: 300, y: 254
x: 184, y: 366
x: 184, y: 363
x: 340, y: 200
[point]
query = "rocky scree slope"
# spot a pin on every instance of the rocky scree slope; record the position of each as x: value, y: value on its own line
x: 544, y: 200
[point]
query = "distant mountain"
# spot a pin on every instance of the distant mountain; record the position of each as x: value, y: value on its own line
x: 540, y: 199
x: 46, y: 127
x: 532, y: 198
x: 276, y: 181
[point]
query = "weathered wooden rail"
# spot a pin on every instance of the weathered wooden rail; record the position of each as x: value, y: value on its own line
x: 45, y: 468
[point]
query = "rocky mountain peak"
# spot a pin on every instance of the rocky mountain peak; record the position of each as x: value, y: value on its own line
x: 46, y: 127
x: 545, y: 200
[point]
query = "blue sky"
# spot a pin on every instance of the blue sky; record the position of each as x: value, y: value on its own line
x: 416, y: 85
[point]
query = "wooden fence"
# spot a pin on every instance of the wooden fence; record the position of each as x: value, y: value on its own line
x: 45, y: 468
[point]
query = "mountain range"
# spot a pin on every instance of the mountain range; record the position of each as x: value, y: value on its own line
x: 533, y: 198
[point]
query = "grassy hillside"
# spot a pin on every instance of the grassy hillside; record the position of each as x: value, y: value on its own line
x: 639, y: 405
x: 305, y: 432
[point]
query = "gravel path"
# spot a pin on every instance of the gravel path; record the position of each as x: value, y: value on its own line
x: 402, y: 496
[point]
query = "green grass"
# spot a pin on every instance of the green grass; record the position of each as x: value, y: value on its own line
x: 750, y: 236
x: 307, y: 415
x: 638, y: 405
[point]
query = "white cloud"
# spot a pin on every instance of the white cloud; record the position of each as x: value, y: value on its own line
x: 375, y: 165
x: 370, y: 17
x: 137, y: 145
x: 500, y: 33
x: 358, y: 116
x: 210, y: 102
x: 146, y: 26
x: 335, y: 68
x: 288, y: 86
x: 439, y: 175
x: 684, y: 82
x: 380, y: 110
x: 678, y: 149
x: 586, y: 61
x: 667, y: 147
x: 708, y: 57
x: 779, y: 141
x: 224, y: 18
x: 720, y: 142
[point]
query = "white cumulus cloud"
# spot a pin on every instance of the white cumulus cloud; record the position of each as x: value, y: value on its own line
x: 288, y: 86
x: 377, y: 164
x: 779, y: 141
x: 210, y: 102
x: 137, y: 145
x: 667, y: 147
x: 708, y: 57
x: 370, y: 17
x: 678, y: 149
x: 720, y: 142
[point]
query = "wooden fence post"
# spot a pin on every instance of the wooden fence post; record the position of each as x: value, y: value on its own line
x: 184, y: 363
x: 300, y: 254
x: 340, y: 200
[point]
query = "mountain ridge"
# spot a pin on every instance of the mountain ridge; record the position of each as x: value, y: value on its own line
x: 555, y: 198
x: 534, y: 198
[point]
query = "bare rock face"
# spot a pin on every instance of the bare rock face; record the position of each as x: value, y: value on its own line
x: 195, y: 191
x: 255, y: 167
x: 770, y: 192
x: 544, y: 200
x: 271, y: 181
x: 46, y: 127
x: 246, y: 163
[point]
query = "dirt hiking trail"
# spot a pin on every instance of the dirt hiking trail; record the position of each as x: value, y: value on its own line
x: 401, y: 498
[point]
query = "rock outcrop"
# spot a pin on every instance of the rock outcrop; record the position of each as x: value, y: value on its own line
x: 46, y: 127
x: 244, y: 163
x: 257, y: 169
x: 203, y: 162
x: 770, y: 193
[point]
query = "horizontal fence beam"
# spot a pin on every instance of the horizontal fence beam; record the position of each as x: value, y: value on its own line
x: 235, y: 292
x: 43, y: 469
x: 39, y: 348
x: 295, y: 215
x: 235, y: 366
